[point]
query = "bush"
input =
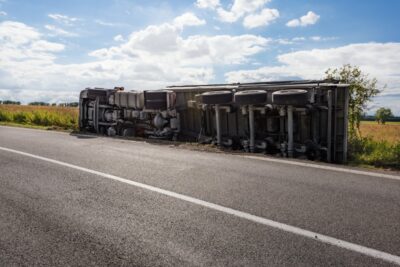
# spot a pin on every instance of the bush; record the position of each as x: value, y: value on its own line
x: 21, y: 117
x: 365, y: 150
x: 6, y: 116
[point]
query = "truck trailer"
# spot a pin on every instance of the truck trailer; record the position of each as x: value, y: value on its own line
x: 306, y: 119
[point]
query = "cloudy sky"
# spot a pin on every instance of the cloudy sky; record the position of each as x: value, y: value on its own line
x: 50, y: 50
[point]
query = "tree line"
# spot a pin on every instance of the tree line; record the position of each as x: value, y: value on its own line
x: 10, y: 102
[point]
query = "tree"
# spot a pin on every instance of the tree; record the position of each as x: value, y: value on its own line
x: 10, y: 102
x: 383, y: 114
x: 362, y: 88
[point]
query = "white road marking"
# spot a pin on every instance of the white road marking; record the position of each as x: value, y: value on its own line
x: 326, y: 167
x: 284, y: 227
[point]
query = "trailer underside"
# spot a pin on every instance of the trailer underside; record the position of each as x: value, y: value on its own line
x: 288, y: 118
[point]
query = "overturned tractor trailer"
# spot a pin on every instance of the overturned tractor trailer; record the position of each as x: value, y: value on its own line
x: 306, y: 119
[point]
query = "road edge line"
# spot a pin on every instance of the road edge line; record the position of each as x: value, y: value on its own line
x: 325, y: 167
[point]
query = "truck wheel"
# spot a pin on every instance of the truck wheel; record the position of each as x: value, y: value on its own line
x: 251, y: 97
x: 293, y: 97
x: 216, y: 97
x: 312, y: 150
x: 128, y: 132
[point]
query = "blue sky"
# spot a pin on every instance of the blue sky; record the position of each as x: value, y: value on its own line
x: 50, y: 50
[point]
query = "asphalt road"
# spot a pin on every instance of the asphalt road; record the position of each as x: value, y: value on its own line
x: 52, y: 214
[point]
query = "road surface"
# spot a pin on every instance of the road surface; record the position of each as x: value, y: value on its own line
x: 86, y: 200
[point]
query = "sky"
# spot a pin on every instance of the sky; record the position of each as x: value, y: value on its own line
x: 50, y: 50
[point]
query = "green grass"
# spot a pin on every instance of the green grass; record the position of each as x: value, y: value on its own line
x: 380, y: 154
x: 377, y: 146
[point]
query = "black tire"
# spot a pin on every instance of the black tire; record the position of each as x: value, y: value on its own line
x: 128, y: 132
x: 156, y: 99
x: 292, y: 97
x: 312, y: 150
x: 216, y: 97
x: 251, y: 97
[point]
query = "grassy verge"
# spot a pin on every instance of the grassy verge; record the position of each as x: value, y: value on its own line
x: 380, y: 154
x: 377, y: 146
x: 62, y: 118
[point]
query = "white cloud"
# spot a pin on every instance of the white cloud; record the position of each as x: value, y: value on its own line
x: 298, y: 39
x: 309, y: 19
x: 239, y: 9
x: 227, y: 16
x: 60, y: 32
x: 164, y: 43
x: 150, y: 58
x: 45, y: 46
x: 38, y: 95
x: 264, y: 18
x: 322, y: 39
x: 247, y: 6
x: 253, y: 11
x: 283, y: 41
x: 303, y: 39
x: 21, y: 43
x: 24, y: 55
x: 213, y: 49
x: 118, y: 38
x: 211, y: 4
x: 15, y: 33
x: 188, y: 19
x: 3, y: 13
x: 63, y: 19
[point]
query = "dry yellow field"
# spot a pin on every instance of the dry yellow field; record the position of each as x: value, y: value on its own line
x: 380, y: 132
x: 52, y: 109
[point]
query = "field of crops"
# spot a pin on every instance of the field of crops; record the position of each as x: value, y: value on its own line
x: 381, y: 132
x: 47, y: 116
